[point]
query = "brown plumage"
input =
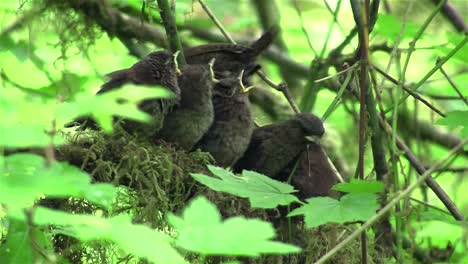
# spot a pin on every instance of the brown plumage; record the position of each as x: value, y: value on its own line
x: 274, y: 146
x: 314, y: 175
x: 230, y: 57
x: 229, y: 135
x: 189, y: 120
x: 156, y: 69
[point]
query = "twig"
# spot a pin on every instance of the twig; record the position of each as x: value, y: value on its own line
x: 453, y: 169
x: 169, y: 22
x: 435, y: 187
x: 418, y: 35
x: 433, y: 70
x: 304, y: 30
x: 216, y: 21
x: 282, y: 87
x: 453, y: 16
x: 337, y: 74
x: 397, y: 41
x: 327, y: 5
x: 429, y: 205
x: 429, y: 132
x: 339, y: 94
x: 454, y: 86
x: 389, y: 206
x: 408, y: 90
x: 269, y: 15
x: 330, y: 28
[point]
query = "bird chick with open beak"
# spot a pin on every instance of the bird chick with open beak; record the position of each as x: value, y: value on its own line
x: 229, y: 135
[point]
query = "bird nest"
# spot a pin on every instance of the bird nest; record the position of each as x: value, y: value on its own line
x: 154, y: 179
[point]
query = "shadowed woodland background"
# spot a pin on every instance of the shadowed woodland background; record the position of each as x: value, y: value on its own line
x: 59, y: 49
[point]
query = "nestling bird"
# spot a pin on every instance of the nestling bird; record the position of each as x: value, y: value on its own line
x: 274, y: 146
x: 231, y: 57
x: 157, y: 68
x: 189, y: 120
x: 229, y: 135
x: 314, y: 175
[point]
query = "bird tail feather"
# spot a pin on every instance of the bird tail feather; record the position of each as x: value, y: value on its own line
x: 265, y: 40
x: 117, y: 79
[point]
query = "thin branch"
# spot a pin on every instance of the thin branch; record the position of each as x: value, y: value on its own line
x: 392, y: 203
x: 304, y: 30
x: 269, y: 14
x: 330, y: 28
x: 216, y: 21
x: 282, y: 87
x: 429, y: 132
x: 433, y: 70
x: 454, y: 86
x: 435, y: 187
x: 408, y: 90
x: 452, y: 15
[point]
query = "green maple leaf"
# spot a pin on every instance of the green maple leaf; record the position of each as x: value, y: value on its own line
x: 262, y: 191
x: 352, y: 207
x: 202, y: 230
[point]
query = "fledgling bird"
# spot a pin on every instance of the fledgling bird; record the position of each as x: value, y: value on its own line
x: 229, y: 135
x: 274, y: 146
x: 157, y: 68
x: 189, y: 120
x: 314, y: 175
x: 231, y: 58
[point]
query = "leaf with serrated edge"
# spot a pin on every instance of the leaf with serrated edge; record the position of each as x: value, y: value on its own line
x: 202, y: 230
x: 352, y: 207
x: 262, y: 191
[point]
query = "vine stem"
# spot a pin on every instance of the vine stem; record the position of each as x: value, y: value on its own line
x: 168, y: 19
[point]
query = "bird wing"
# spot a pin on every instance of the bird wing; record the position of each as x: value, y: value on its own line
x: 214, y: 48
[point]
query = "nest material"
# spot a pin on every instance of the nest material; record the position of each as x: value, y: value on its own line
x: 156, y: 180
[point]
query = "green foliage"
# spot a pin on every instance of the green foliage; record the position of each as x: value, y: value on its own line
x: 456, y: 119
x: 359, y: 186
x: 61, y: 55
x: 121, y: 102
x: 119, y: 229
x: 454, y: 39
x: 389, y: 26
x: 27, y: 119
x: 262, y: 191
x: 351, y: 207
x: 27, y: 177
x: 18, y: 247
x: 201, y: 229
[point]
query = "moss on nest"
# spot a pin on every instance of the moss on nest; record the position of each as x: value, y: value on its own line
x: 159, y: 179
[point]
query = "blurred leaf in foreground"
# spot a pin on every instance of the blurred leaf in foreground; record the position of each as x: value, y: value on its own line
x: 26, y: 178
x: 456, y: 119
x: 139, y: 240
x: 201, y: 230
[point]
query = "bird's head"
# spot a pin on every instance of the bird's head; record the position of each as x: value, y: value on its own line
x: 311, y: 124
